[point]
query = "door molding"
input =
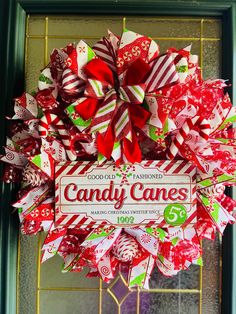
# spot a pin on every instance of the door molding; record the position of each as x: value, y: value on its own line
x: 12, y: 36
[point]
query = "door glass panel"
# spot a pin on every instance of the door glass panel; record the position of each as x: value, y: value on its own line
x: 43, y: 289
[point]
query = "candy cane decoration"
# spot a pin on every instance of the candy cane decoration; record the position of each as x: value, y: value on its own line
x: 53, y: 120
x: 183, y: 132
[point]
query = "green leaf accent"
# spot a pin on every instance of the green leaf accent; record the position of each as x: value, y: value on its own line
x: 205, y: 200
x: 181, y: 68
x: 231, y: 119
x: 215, y: 213
x: 221, y: 178
x: 139, y: 280
x: 200, y: 261
x: 145, y: 105
x: 166, y: 127
x: 225, y: 140
x: 70, y: 110
x: 91, y: 54
x: 82, y: 122
x: 100, y: 157
x: 33, y: 93
x: 116, y: 145
x: 152, y: 133
x: 175, y: 241
x: 20, y: 210
x: 37, y: 160
x: 40, y: 113
x: 45, y: 79
x: 161, y: 258
x: 206, y: 182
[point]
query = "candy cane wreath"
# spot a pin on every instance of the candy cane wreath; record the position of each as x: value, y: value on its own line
x: 122, y: 101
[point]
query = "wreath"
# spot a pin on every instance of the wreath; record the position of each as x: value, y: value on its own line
x: 122, y: 101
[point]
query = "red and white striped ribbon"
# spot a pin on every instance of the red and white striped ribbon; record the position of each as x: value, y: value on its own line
x: 96, y: 89
x: 123, y: 125
x: 183, y: 132
x: 128, y: 94
x: 133, y: 94
x: 52, y: 119
x: 105, y: 113
x: 71, y: 83
x: 105, y: 49
x: 112, y: 106
x: 163, y: 73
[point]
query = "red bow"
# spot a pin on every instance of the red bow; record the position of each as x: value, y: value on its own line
x: 112, y: 106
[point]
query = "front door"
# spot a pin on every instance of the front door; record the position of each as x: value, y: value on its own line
x: 43, y: 289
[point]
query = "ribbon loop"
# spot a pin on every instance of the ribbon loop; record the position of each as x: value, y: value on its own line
x: 103, y: 117
x: 133, y: 94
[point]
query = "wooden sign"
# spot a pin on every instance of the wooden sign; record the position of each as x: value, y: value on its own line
x: 152, y: 192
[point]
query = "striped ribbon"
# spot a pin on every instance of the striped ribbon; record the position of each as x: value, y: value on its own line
x: 96, y: 89
x: 106, y: 48
x: 114, y: 106
x: 133, y: 94
x: 51, y: 119
x: 105, y: 113
x: 71, y: 83
x: 123, y: 127
x: 163, y: 73
x: 183, y: 132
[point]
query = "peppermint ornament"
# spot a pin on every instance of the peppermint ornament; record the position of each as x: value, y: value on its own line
x: 126, y: 248
x: 32, y: 176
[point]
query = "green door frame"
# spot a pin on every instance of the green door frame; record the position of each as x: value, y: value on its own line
x: 12, y: 35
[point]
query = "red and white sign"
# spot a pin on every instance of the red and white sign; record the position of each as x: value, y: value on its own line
x: 152, y: 192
